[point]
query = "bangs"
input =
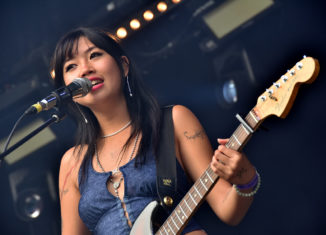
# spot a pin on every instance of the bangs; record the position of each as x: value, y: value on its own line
x: 66, y: 48
x: 70, y: 47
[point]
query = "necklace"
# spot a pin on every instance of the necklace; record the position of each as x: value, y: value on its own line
x: 118, y: 131
x: 116, y: 184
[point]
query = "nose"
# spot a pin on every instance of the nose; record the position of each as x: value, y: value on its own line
x: 86, y: 69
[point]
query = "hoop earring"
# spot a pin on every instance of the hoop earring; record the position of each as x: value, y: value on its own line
x: 128, y: 85
x: 81, y: 113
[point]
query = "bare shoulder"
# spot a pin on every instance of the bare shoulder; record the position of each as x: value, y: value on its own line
x: 182, y: 112
x: 69, y: 168
x: 71, y: 157
x: 186, y: 124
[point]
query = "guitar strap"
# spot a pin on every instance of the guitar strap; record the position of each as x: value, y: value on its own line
x: 166, y: 179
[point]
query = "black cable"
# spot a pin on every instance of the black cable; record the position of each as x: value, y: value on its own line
x: 13, y: 130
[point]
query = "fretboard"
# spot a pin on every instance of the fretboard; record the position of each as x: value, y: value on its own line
x: 181, y: 215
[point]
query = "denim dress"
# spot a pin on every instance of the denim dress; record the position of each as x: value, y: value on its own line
x: 103, y: 213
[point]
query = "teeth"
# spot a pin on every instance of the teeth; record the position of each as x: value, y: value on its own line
x: 95, y: 82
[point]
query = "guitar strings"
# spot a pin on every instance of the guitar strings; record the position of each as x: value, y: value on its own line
x: 190, y: 200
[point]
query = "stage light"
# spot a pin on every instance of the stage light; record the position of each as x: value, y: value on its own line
x: 138, y: 20
x: 230, y: 92
x: 134, y: 24
x: 235, y: 13
x: 235, y: 78
x: 110, y: 6
x: 29, y: 205
x: 162, y: 6
x: 148, y: 15
x: 121, y: 32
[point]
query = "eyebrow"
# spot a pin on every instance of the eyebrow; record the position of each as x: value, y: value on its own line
x: 85, y: 52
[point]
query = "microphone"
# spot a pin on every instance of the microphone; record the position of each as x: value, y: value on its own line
x: 78, y: 88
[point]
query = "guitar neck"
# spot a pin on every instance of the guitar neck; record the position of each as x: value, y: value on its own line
x: 241, y: 135
x: 181, y: 215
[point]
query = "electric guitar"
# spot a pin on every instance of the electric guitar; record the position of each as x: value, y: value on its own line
x: 276, y: 100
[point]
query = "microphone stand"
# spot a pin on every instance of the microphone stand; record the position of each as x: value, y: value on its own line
x: 56, y: 117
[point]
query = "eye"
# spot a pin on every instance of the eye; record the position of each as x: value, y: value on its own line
x: 69, y: 67
x: 95, y: 54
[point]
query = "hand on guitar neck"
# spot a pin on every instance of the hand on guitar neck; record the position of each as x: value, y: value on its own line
x: 231, y: 165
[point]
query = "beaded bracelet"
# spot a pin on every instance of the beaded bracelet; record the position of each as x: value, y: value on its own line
x: 256, y: 179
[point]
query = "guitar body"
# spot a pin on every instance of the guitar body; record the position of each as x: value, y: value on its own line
x: 149, y: 220
x: 143, y: 224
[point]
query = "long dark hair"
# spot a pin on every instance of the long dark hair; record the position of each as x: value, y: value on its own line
x: 142, y: 106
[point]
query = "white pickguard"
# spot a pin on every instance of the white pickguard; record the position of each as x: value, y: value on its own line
x: 143, y: 224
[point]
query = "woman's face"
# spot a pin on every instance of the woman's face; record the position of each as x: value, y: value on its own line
x: 97, y: 65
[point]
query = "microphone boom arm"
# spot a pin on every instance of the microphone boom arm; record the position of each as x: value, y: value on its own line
x: 56, y: 117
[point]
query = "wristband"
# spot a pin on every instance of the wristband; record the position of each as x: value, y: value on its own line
x: 237, y: 189
x: 251, y: 184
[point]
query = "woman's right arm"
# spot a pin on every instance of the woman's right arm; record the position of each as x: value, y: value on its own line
x: 71, y: 223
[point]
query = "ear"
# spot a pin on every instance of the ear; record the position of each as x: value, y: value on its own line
x: 125, y: 65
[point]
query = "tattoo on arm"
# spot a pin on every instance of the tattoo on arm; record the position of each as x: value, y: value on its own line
x: 198, y: 134
x: 64, y: 190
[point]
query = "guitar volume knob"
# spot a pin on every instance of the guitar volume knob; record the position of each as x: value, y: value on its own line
x: 168, y: 201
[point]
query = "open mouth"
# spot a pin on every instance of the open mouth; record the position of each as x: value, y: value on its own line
x: 96, y: 82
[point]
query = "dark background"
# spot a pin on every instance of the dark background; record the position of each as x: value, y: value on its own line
x: 183, y: 63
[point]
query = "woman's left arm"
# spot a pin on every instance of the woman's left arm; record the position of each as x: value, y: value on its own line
x: 195, y: 153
